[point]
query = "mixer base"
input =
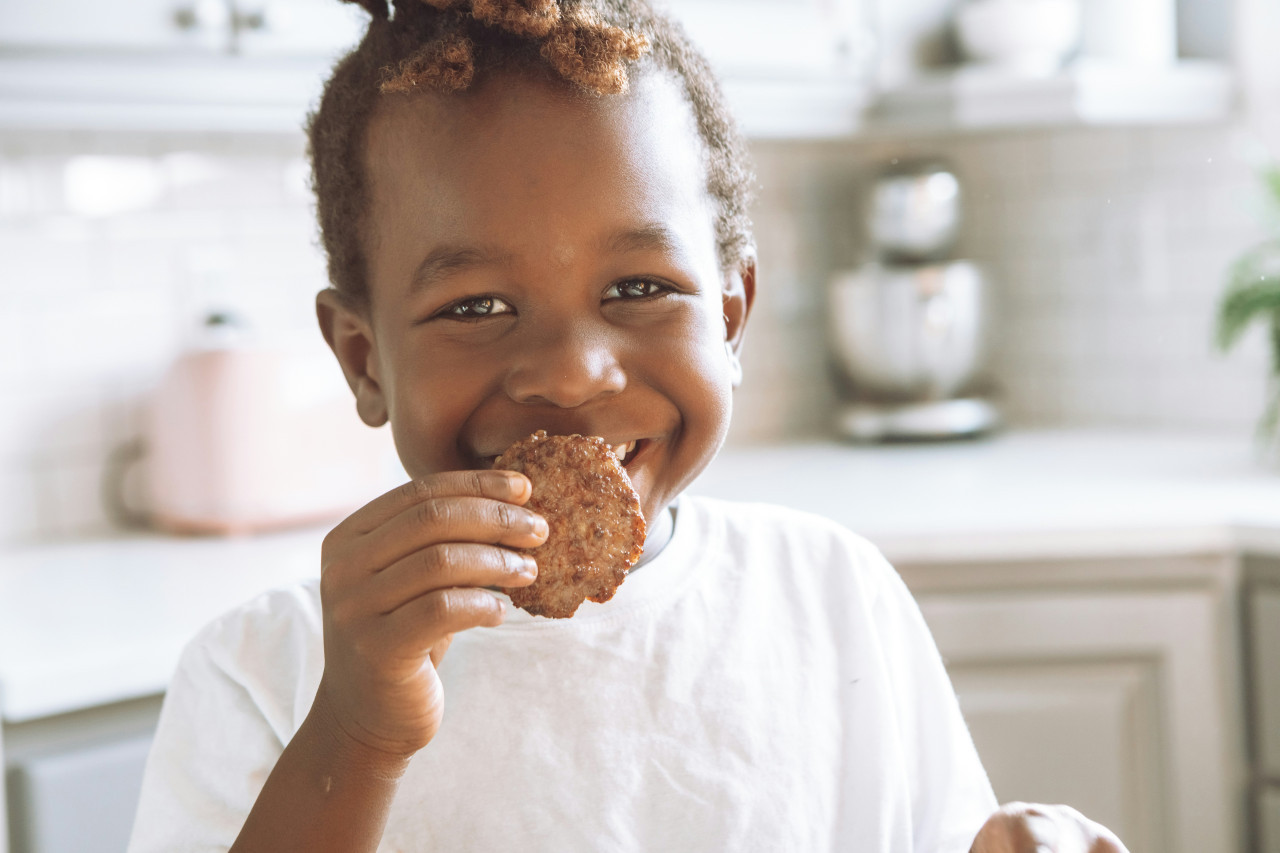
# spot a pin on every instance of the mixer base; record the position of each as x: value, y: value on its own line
x: 931, y: 421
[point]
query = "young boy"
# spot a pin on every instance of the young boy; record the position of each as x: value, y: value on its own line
x: 535, y: 219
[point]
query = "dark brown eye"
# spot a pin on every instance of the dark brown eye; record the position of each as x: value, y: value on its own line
x: 477, y: 306
x: 636, y: 288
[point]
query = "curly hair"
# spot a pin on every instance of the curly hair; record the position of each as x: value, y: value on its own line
x: 446, y: 45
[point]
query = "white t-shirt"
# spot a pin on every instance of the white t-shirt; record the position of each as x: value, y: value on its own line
x: 765, y: 683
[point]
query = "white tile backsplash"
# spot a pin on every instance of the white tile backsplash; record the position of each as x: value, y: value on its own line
x: 1107, y: 249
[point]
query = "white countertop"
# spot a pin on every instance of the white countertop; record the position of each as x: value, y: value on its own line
x: 87, y: 623
x: 1041, y: 494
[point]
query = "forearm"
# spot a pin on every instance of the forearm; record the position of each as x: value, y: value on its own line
x: 325, y: 793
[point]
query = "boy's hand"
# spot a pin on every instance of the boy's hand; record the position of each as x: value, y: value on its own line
x: 1035, y: 828
x: 399, y: 577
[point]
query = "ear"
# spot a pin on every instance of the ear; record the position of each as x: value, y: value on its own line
x: 347, y: 330
x: 739, y: 294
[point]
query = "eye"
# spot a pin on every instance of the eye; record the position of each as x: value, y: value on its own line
x: 475, y: 307
x: 636, y: 288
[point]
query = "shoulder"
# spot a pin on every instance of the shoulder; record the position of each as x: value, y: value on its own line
x: 792, y: 541
x: 764, y: 521
x: 284, y: 619
x: 266, y: 654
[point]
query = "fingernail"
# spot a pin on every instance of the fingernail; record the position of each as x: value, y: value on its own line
x: 519, y: 484
x: 540, y: 527
x: 528, y: 567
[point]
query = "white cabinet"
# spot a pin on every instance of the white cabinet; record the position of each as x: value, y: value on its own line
x: 73, y: 779
x: 797, y: 68
x: 255, y: 27
x: 249, y: 66
x: 1109, y: 693
x: 149, y: 25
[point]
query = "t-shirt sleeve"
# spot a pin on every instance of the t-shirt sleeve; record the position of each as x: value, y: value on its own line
x: 212, y: 752
x: 240, y: 690
x: 951, y: 795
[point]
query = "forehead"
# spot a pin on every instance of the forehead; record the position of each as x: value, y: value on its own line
x: 529, y: 161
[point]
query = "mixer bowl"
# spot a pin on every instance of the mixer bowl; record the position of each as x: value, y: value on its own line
x: 908, y: 333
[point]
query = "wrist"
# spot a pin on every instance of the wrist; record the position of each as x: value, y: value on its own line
x: 348, y: 753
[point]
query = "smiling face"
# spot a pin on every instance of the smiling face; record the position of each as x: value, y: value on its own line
x: 540, y: 259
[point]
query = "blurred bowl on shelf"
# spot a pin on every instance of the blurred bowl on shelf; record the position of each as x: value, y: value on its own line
x: 1023, y: 37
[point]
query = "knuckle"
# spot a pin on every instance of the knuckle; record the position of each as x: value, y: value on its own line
x: 419, y: 489
x: 434, y: 513
x: 508, y: 517
x: 438, y: 558
x: 441, y: 606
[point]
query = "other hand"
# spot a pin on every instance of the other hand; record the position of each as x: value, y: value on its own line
x: 1036, y: 828
x: 398, y: 578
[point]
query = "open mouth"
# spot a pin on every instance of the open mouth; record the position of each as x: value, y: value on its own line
x: 624, y: 453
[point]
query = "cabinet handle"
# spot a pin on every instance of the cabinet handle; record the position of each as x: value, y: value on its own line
x: 206, y: 15
x: 255, y: 21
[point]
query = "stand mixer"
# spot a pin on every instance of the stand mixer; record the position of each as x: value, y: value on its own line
x: 907, y: 329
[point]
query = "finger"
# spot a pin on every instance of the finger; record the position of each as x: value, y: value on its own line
x: 508, y: 486
x: 1094, y: 837
x: 428, y: 619
x: 449, y: 564
x: 450, y: 519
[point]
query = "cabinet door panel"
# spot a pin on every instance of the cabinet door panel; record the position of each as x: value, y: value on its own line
x: 1269, y: 814
x: 1086, y: 734
x: 1265, y: 654
x: 1143, y: 671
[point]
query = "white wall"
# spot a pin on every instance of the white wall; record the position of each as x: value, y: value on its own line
x: 1107, y: 250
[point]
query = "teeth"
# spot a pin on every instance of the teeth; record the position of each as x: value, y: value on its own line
x: 622, y: 450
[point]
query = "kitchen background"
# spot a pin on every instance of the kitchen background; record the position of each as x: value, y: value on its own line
x: 1104, y: 569
x: 1107, y: 249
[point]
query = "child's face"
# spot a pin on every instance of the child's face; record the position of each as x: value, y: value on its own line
x: 544, y: 260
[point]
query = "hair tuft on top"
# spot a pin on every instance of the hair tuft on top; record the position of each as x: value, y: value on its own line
x: 448, y: 45
x: 528, y: 18
x: 448, y: 66
x: 592, y: 53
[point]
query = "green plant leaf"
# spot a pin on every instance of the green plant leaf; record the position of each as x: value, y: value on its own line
x: 1271, y: 180
x: 1253, y: 293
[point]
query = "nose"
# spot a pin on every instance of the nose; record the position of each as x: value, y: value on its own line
x: 566, y: 367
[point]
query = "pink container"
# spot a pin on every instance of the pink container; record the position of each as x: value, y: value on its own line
x: 250, y: 438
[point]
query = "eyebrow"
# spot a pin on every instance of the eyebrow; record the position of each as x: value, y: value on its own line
x: 446, y: 260
x: 651, y: 237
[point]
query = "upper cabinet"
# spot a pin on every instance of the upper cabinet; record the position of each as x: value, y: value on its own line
x: 976, y: 64
x: 169, y: 65
x: 791, y: 68
x: 309, y: 28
